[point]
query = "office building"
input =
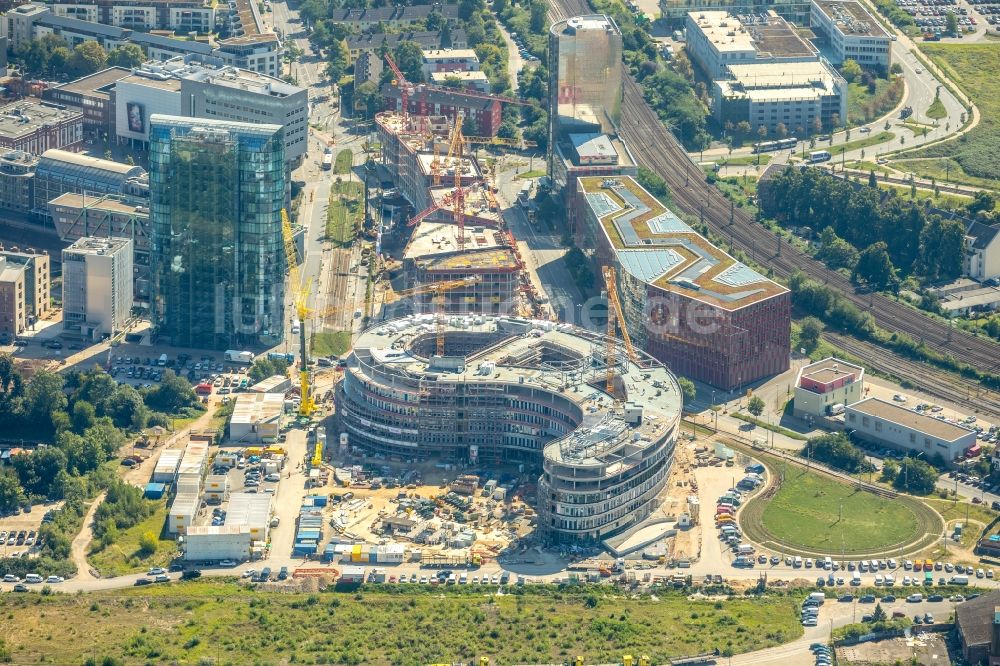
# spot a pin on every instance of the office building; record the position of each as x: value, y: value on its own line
x: 902, y: 429
x: 826, y: 387
x: 77, y: 216
x: 59, y: 172
x: 716, y: 40
x: 35, y: 126
x: 13, y: 309
x: 186, y: 87
x: 374, y: 42
x: 796, y: 11
x: 93, y: 96
x: 851, y: 33
x: 37, y: 280
x: 520, y: 391
x: 448, y: 60
x: 686, y: 302
x: 17, y: 180
x: 217, y: 189
x: 97, y: 286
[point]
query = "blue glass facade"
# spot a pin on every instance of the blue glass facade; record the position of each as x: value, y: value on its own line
x: 216, y: 193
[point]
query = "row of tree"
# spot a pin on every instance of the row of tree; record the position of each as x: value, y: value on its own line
x: 50, y: 55
x: 911, y: 475
x: 896, y: 237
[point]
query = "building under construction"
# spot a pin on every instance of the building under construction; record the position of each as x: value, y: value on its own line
x: 458, y: 232
x: 500, y: 390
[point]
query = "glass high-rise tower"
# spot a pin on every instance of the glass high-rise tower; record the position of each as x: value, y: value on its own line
x: 218, y: 264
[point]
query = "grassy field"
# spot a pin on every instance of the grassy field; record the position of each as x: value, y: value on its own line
x: 122, y: 556
x: 863, y: 106
x: 936, y: 110
x: 942, y: 200
x: 331, y: 343
x: 529, y: 174
x: 857, y: 144
x: 745, y: 160
x: 344, y: 162
x: 944, y: 170
x: 345, y: 212
x: 973, y: 68
x: 951, y: 510
x: 867, y: 166
x: 819, y: 514
x: 217, y: 623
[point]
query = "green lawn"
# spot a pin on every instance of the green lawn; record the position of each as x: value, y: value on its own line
x: 745, y: 160
x: 951, y: 510
x: 864, y: 107
x: 858, y: 144
x: 222, y: 623
x: 331, y: 343
x: 936, y: 110
x: 816, y: 513
x: 345, y: 213
x: 949, y: 201
x: 944, y: 170
x: 122, y: 557
x: 529, y: 174
x: 344, y: 162
x: 973, y: 67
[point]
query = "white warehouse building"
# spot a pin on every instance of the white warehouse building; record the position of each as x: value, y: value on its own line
x: 897, y: 427
x: 182, y: 512
x: 208, y: 543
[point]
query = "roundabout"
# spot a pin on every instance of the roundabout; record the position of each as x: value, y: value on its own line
x: 812, y: 513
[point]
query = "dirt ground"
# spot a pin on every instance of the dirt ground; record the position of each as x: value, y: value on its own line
x: 928, y: 649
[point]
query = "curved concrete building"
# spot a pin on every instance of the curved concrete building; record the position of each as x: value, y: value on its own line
x: 519, y: 391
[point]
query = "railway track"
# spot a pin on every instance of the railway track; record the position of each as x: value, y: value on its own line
x: 657, y: 149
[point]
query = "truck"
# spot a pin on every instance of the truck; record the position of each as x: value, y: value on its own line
x: 744, y: 549
x: 327, y: 161
x: 280, y: 356
x: 959, y: 579
x: 236, y: 356
x: 163, y: 360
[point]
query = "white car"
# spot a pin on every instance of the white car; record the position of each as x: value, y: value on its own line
x: 54, y: 579
x: 156, y: 571
x: 249, y: 573
x: 227, y: 563
x: 899, y: 397
x: 11, y: 578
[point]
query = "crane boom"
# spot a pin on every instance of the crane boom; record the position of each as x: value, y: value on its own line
x: 300, y: 295
x: 615, y: 317
x: 438, y: 289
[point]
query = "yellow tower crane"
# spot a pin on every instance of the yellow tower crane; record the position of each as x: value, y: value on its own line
x: 438, y: 290
x: 615, y: 317
x: 300, y: 294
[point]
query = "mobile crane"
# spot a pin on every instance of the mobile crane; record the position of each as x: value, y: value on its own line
x: 438, y: 289
x: 615, y: 317
x: 300, y: 294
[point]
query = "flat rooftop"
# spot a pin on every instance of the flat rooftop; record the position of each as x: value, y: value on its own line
x: 29, y: 115
x: 658, y: 248
x: 769, y: 35
x: 851, y: 18
x: 431, y: 238
x: 907, y: 418
x: 586, y: 22
x: 830, y: 369
x: 568, y: 145
x: 771, y: 81
x: 444, y: 54
x: 474, y: 75
x: 169, y: 84
x: 107, y: 203
x: 97, y: 84
x: 603, y: 438
x: 446, y: 167
x: 90, y: 245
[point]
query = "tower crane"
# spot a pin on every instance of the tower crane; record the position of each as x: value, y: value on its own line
x: 458, y: 201
x: 615, y: 317
x: 438, y: 290
x: 300, y: 294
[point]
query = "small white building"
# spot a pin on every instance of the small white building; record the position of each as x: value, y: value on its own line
x: 272, y: 384
x: 352, y: 574
x: 473, y: 80
x: 256, y: 418
x: 982, y: 252
x: 898, y: 427
x: 182, y: 512
x: 208, y: 543
x: 852, y: 33
x: 166, y: 466
x: 252, y: 511
x: 449, y: 60
x: 823, y: 385
x: 97, y: 285
x: 216, y: 487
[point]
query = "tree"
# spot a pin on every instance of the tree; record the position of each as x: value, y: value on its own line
x: 43, y: 396
x: 836, y: 450
x: 896, y: 68
x: 171, y: 394
x: 889, y: 471
x: 835, y: 251
x: 88, y: 57
x: 983, y: 202
x: 507, y: 130
x: 817, y: 125
x: 851, y: 70
x: 755, y: 405
x: 743, y: 129
x: 539, y: 11
x: 264, y: 367
x: 875, y: 268
x: 147, y: 544
x: 11, y: 493
x: 688, y: 389
x: 127, y: 55
x: 762, y: 132
x: 470, y: 127
x: 37, y: 471
x: 453, y: 81
x: 409, y: 58
x: 367, y: 95
x: 916, y: 477
x: 872, y: 180
x: 83, y: 415
x: 951, y: 23
x: 879, y: 614
x: 126, y: 409
x: 781, y: 130
x: 810, y: 330
x: 337, y: 60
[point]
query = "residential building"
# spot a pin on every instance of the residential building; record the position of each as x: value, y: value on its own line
x: 13, y: 315
x: 982, y: 251
x: 448, y: 60
x: 217, y: 190
x: 35, y: 126
x: 76, y: 32
x: 472, y: 80
x: 93, y: 96
x: 17, y: 180
x: 37, y: 280
x: 428, y: 101
x: 161, y: 47
x: 184, y: 16
x: 256, y: 418
x: 823, y: 385
x: 77, y: 216
x: 97, y: 286
x: 260, y: 52
x: 20, y: 24
x: 977, y: 626
x: 396, y: 17
x: 897, y: 427
x: 685, y: 302
x: 716, y: 40
x: 796, y: 11
x: 852, y: 33
x: 367, y: 67
x: 374, y: 42
x: 59, y: 172
x: 520, y: 392
x: 794, y: 95
x: 187, y: 87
